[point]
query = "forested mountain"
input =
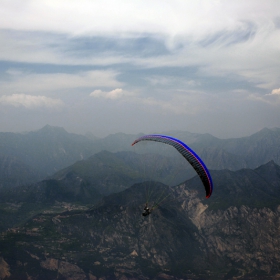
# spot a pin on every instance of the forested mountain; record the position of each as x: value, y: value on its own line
x: 51, y: 149
x: 14, y: 172
x: 87, y: 181
x: 254, y: 150
x: 233, y: 234
x: 46, y: 151
x: 70, y: 208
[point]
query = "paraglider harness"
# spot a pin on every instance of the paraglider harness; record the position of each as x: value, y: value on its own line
x: 147, y: 211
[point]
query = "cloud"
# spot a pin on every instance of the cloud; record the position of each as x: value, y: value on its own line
x: 168, y: 58
x: 272, y: 98
x: 97, y: 93
x: 192, y: 18
x: 116, y: 93
x: 219, y: 37
x: 30, y: 101
x: 156, y: 80
x: 53, y: 48
x: 32, y: 82
x: 275, y: 91
x: 113, y: 94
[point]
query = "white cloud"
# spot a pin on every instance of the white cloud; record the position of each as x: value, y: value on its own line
x: 274, y: 94
x: 220, y: 37
x: 32, y: 82
x: 174, y: 17
x: 30, y: 101
x: 170, y: 52
x: 275, y: 91
x: 272, y: 98
x: 116, y: 93
x: 97, y: 93
x: 113, y: 94
x: 157, y: 80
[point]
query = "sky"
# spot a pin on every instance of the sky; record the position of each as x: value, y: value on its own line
x: 140, y: 66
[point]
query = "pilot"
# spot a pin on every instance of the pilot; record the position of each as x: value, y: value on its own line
x: 147, y: 211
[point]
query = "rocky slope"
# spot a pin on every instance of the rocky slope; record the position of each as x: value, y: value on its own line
x: 234, y: 234
x: 255, y: 150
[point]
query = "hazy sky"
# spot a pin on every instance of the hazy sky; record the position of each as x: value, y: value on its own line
x: 140, y: 66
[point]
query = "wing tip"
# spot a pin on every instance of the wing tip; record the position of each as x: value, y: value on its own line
x: 208, y: 195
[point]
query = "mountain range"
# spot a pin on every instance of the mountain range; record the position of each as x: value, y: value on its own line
x: 33, y: 156
x: 71, y: 207
x: 232, y: 235
x: 87, y: 181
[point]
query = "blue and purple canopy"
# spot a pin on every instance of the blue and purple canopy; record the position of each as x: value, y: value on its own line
x: 188, y: 154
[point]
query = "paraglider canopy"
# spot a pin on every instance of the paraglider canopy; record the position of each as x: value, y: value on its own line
x: 188, y: 154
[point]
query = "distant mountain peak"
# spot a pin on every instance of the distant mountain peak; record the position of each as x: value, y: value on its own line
x: 266, y: 130
x: 269, y: 165
x: 49, y: 128
x: 52, y: 131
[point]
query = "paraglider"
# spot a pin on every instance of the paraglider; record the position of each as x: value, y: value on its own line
x: 147, y: 211
x: 188, y: 154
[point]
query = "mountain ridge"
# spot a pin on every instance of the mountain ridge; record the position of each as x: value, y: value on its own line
x: 51, y: 149
x: 230, y: 235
